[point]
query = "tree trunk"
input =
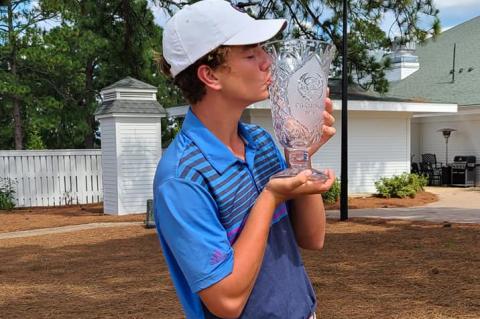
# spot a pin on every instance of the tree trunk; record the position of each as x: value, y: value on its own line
x: 89, y: 99
x: 129, y: 58
x: 17, y: 120
x: 17, y: 106
x: 89, y: 140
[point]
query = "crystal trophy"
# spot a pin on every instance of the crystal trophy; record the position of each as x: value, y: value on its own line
x: 300, y: 71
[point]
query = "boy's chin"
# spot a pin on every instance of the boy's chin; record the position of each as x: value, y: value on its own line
x: 264, y: 97
x: 260, y: 99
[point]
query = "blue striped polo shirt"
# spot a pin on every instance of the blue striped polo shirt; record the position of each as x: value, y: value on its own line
x: 203, y: 195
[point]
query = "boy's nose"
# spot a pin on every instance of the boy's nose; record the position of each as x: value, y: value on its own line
x: 266, y: 61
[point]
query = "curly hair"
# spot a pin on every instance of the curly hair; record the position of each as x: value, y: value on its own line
x: 192, y: 88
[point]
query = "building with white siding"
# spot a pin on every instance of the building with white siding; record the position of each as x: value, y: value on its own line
x: 379, y: 134
x: 131, y: 144
x: 449, y: 72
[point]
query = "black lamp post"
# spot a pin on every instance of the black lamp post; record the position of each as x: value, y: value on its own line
x: 446, y: 134
x: 344, y: 147
x: 149, y: 218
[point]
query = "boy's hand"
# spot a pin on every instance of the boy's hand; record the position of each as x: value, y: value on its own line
x: 327, y: 129
x: 283, y: 189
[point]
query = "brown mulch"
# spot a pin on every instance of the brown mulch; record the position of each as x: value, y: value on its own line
x: 44, y: 217
x: 420, y: 199
x: 368, y: 269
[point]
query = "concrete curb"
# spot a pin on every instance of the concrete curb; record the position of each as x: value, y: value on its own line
x: 425, y: 213
x: 454, y: 205
x: 64, y: 229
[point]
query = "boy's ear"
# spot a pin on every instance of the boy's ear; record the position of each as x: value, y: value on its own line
x: 208, y: 77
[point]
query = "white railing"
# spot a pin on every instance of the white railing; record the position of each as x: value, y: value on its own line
x: 53, y: 177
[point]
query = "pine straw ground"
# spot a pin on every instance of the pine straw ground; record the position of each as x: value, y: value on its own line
x: 368, y: 269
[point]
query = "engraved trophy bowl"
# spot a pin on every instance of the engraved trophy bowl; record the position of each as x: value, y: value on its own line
x: 300, y: 71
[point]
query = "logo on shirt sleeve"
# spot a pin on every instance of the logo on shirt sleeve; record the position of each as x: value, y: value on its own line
x: 217, y: 257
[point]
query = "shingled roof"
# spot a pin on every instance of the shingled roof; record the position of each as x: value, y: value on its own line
x: 130, y: 83
x: 433, y: 81
x: 357, y: 93
x: 141, y: 99
x: 129, y: 107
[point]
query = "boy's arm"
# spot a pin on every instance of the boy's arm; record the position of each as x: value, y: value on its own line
x: 308, y: 221
x: 228, y: 297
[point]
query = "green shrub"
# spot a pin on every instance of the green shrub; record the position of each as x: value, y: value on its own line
x: 404, y: 185
x: 333, y: 194
x: 7, y: 194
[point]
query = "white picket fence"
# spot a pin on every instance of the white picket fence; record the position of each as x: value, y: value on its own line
x: 53, y: 177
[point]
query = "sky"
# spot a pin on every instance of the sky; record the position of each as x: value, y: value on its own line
x: 452, y: 12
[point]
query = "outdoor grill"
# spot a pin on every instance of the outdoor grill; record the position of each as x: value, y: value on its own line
x: 463, y: 170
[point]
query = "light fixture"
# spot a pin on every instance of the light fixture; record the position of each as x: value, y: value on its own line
x: 446, y: 134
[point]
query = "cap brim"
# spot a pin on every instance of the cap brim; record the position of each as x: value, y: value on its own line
x: 258, y: 31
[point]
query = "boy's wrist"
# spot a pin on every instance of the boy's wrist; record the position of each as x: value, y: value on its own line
x: 272, y: 196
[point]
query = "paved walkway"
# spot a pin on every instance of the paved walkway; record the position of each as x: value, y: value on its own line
x: 457, y: 205
x: 64, y: 229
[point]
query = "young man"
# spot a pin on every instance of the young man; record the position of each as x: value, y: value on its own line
x: 228, y: 237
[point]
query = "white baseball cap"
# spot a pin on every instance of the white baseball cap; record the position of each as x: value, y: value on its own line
x: 199, y: 28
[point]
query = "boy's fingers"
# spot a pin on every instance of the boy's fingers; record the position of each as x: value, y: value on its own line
x: 328, y: 105
x: 329, y: 130
x: 328, y: 183
x: 331, y: 179
x: 325, y: 184
x: 328, y: 118
x: 330, y: 173
x: 301, y: 178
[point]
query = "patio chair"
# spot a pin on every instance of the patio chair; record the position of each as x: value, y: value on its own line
x: 431, y: 168
x: 414, y: 168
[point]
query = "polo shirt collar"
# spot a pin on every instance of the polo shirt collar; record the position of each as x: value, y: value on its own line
x: 216, y: 153
x: 245, y: 134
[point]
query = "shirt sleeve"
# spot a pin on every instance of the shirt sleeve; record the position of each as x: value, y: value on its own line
x: 188, y: 222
